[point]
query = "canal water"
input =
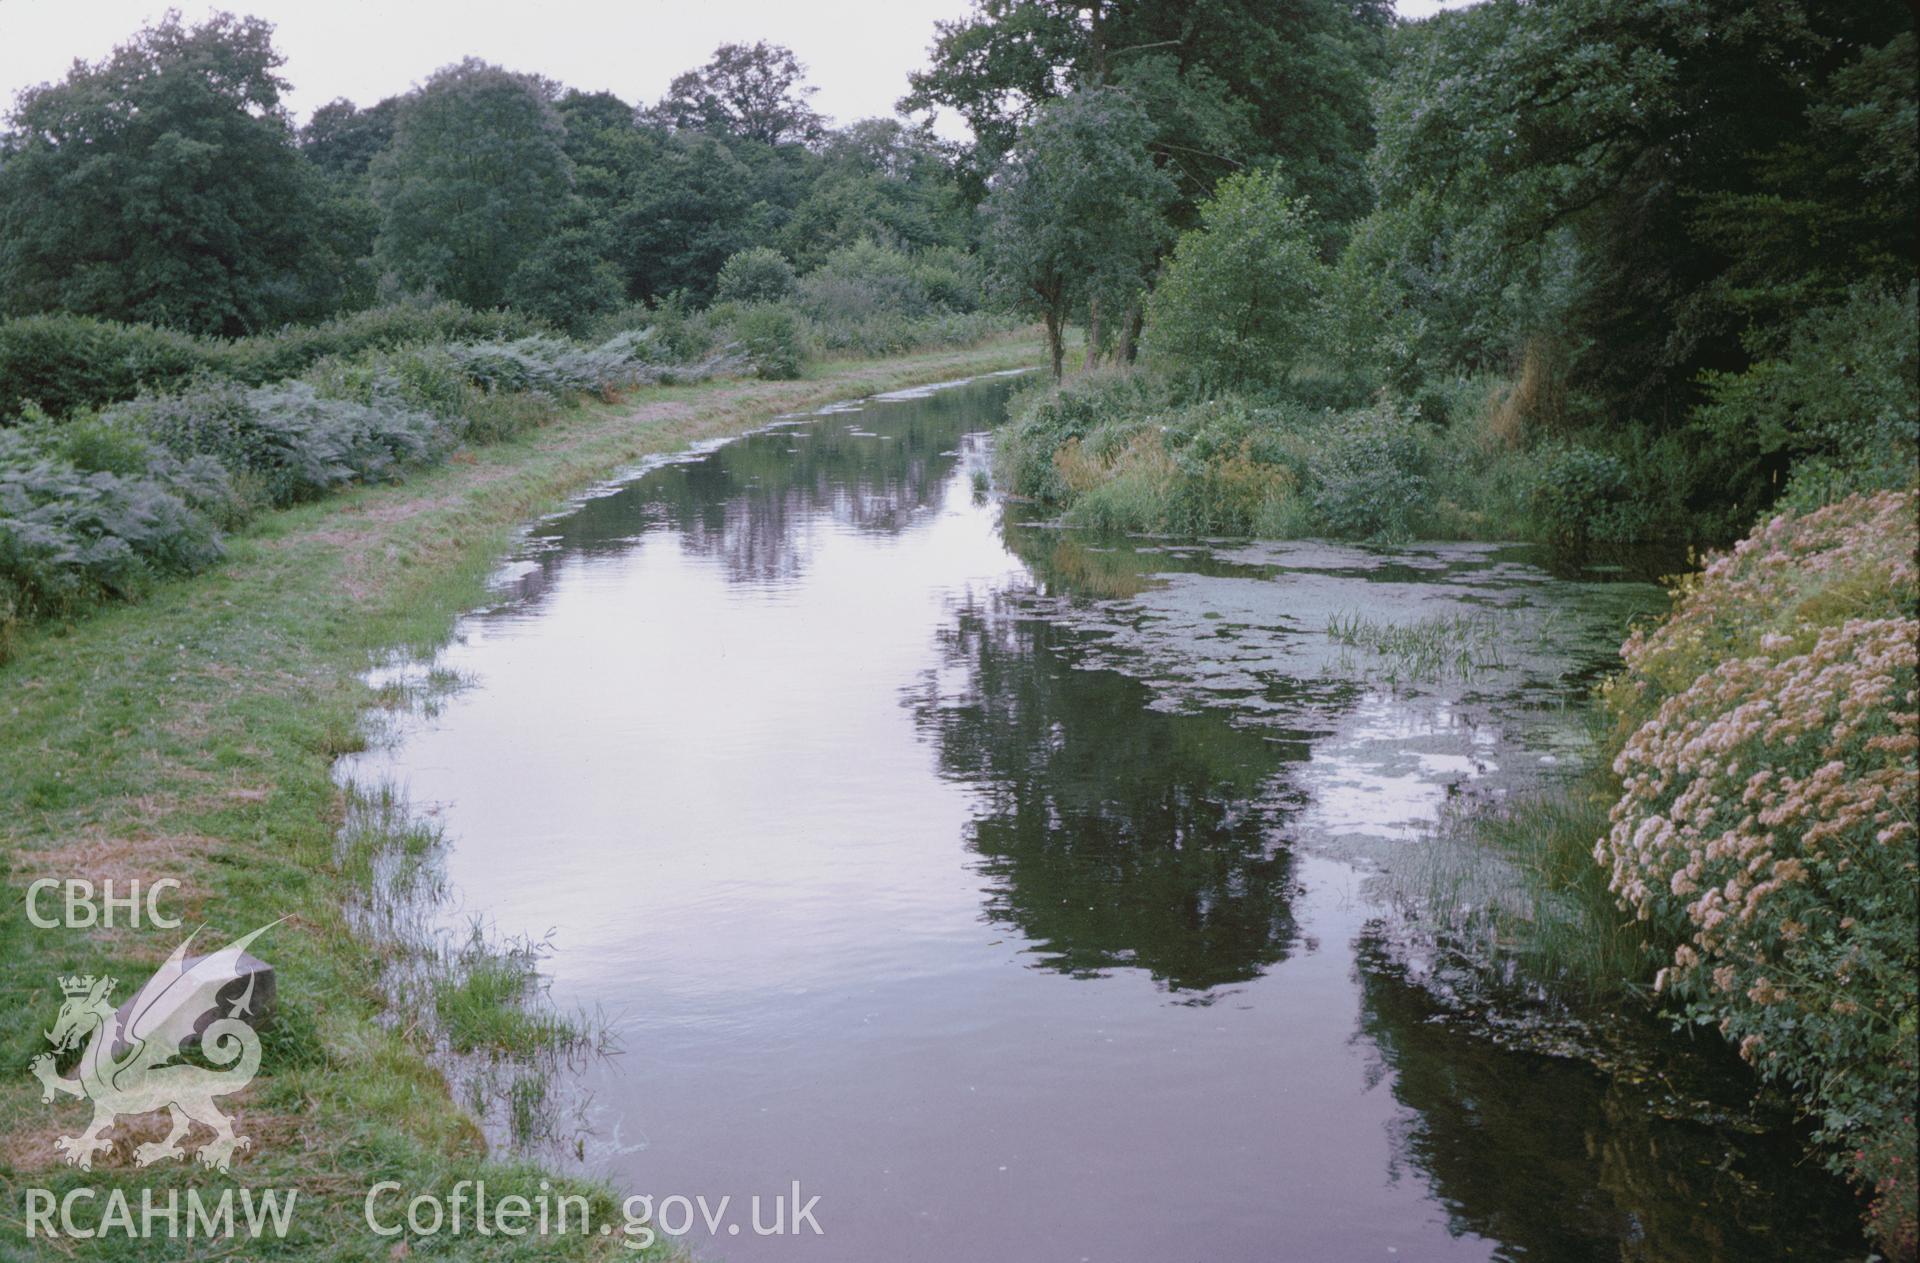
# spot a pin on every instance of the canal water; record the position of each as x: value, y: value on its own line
x: 1017, y: 893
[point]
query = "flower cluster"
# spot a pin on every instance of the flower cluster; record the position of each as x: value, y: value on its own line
x: 1767, y: 820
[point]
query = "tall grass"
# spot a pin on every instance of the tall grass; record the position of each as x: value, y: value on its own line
x: 1514, y: 887
x: 1457, y: 645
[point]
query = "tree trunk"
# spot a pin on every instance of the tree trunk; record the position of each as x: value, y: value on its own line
x: 1093, y: 334
x: 1130, y: 333
x: 1056, y: 352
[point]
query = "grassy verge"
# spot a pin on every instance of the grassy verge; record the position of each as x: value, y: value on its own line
x: 191, y: 736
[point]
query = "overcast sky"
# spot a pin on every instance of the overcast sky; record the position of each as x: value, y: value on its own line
x: 858, y: 52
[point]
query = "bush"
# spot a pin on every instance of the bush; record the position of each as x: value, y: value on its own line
x: 1368, y: 472
x: 770, y: 336
x: 1238, y: 302
x: 1583, y: 496
x: 678, y: 333
x: 1838, y: 400
x: 1768, y: 819
x: 757, y: 275
x: 291, y: 351
x: 1046, y: 417
x: 67, y: 363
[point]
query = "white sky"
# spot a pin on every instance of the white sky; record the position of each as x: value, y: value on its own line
x: 857, y: 52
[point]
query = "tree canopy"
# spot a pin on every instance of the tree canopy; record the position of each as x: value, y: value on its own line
x: 161, y: 184
x: 747, y: 91
x: 476, y: 176
x: 1077, y: 211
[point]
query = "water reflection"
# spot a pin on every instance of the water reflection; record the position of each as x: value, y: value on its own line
x: 758, y: 504
x: 1113, y: 835
x: 1557, y: 1161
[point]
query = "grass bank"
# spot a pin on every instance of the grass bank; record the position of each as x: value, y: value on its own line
x: 191, y: 736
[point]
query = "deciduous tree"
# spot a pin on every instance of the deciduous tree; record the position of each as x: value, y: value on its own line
x: 474, y: 180
x: 162, y: 184
x: 1077, y: 212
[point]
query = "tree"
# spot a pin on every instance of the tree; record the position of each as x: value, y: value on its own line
x: 749, y: 92
x: 688, y: 206
x: 876, y: 178
x: 343, y: 140
x: 473, y: 182
x: 1713, y: 166
x: 1229, y: 83
x: 1077, y: 210
x: 162, y: 184
x: 1238, y: 303
x: 565, y: 281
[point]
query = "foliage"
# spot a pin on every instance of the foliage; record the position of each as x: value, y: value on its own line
x: 877, y: 300
x: 876, y: 177
x: 1689, y: 160
x: 1238, y: 299
x: 472, y: 183
x: 1838, y: 403
x: 687, y: 205
x: 753, y: 92
x: 68, y: 363
x: 343, y: 140
x: 64, y: 363
x: 757, y: 275
x: 1076, y: 212
x: 1367, y: 473
x: 566, y: 282
x: 1584, y: 496
x: 1768, y: 818
x: 771, y: 338
x: 286, y: 440
x: 71, y: 536
x: 162, y: 185
x: 292, y: 350
x: 1229, y: 84
x: 96, y: 504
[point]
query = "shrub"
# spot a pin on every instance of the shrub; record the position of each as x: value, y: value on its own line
x: 678, y: 333
x: 757, y: 275
x: 1768, y: 818
x: 66, y: 363
x: 1367, y: 469
x: 1046, y: 417
x: 1838, y: 398
x: 1238, y: 301
x: 293, y: 350
x: 1582, y: 496
x: 950, y: 278
x: 770, y: 336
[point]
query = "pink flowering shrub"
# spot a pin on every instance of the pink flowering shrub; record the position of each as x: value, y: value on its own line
x: 1767, y: 820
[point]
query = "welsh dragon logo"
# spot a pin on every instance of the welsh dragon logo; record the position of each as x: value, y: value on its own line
x: 129, y: 1065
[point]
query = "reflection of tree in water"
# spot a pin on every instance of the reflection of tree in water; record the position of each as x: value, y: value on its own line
x: 1113, y: 835
x: 753, y: 502
x: 1558, y: 1161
